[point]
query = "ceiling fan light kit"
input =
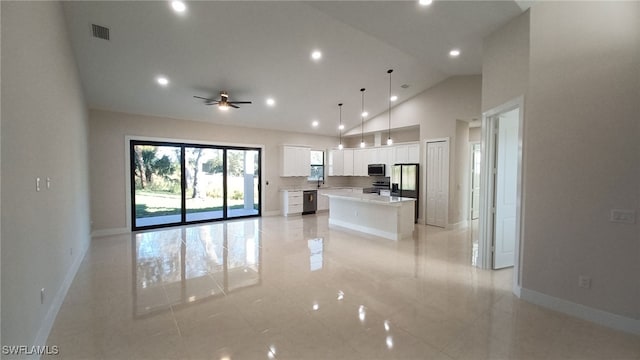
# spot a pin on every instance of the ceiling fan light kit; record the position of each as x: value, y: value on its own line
x: 223, y: 103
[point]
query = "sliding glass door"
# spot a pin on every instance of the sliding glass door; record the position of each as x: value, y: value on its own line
x: 205, y: 185
x: 174, y: 184
x: 242, y: 182
x: 156, y: 183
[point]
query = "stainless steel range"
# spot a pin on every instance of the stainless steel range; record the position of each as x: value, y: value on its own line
x: 381, y: 183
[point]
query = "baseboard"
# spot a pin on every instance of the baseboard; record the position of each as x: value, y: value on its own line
x: 109, y: 232
x: 604, y: 318
x: 56, y: 303
x: 459, y: 225
x: 271, y: 213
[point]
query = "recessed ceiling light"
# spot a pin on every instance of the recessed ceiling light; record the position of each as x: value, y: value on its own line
x: 341, y: 127
x: 316, y: 55
x: 178, y: 6
x: 365, y: 114
x: 271, y: 102
x: 315, y: 123
x: 454, y: 53
x: 393, y: 98
x: 425, y: 2
x: 162, y: 81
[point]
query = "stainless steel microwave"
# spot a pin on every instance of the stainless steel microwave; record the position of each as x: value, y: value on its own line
x: 376, y: 170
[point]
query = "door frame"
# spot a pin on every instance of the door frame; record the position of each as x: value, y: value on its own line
x: 470, y: 210
x: 127, y: 169
x: 487, y: 189
x: 447, y: 142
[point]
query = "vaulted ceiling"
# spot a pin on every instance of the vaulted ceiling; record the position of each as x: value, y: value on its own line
x: 256, y: 50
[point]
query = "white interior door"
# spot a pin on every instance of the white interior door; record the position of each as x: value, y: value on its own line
x: 506, y: 190
x: 475, y: 181
x: 437, y: 183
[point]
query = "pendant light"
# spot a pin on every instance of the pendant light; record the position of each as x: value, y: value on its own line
x: 340, y: 127
x: 362, y: 144
x: 389, y: 140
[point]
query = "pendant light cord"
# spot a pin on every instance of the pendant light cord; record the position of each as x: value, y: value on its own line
x: 389, y: 72
x: 340, y: 125
x: 362, y: 118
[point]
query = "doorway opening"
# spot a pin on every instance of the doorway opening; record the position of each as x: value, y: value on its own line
x: 176, y: 183
x: 500, y: 218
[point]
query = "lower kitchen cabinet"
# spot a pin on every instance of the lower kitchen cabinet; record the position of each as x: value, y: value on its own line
x: 291, y: 202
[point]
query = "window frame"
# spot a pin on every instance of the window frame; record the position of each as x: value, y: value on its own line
x: 315, y: 165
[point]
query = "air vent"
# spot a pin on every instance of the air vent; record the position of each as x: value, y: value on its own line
x: 100, y: 32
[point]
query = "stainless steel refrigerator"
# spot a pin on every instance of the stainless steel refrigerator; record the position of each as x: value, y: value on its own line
x: 404, y: 182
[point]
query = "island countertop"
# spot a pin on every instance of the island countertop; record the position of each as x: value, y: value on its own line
x: 374, y: 198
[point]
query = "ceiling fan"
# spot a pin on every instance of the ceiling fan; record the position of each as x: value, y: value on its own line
x: 223, y: 103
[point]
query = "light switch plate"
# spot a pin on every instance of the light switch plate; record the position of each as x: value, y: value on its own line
x: 623, y: 216
x: 38, y: 184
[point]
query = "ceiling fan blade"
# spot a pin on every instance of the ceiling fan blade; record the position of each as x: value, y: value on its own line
x: 233, y: 106
x: 203, y: 98
x: 239, y: 102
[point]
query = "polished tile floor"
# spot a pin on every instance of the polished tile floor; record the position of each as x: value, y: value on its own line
x: 291, y: 288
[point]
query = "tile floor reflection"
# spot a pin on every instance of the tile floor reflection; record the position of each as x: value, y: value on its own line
x: 291, y: 288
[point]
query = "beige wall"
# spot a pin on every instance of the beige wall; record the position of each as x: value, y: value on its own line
x: 505, y: 63
x: 581, y: 154
x: 107, y: 133
x: 438, y: 108
x: 475, y: 134
x: 43, y: 135
x: 462, y: 170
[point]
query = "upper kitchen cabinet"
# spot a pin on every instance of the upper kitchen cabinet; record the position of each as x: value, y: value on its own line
x: 348, y: 162
x: 406, y: 153
x: 295, y: 161
x: 336, y: 162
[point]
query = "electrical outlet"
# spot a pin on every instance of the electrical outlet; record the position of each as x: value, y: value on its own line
x: 623, y: 216
x: 48, y: 183
x: 584, y: 282
x: 37, y: 184
x: 42, y: 296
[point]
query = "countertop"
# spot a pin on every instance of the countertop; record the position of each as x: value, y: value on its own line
x: 374, y: 198
x: 304, y: 188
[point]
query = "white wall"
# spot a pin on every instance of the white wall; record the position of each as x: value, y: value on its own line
x: 581, y: 154
x: 43, y: 135
x: 505, y: 63
x: 107, y: 157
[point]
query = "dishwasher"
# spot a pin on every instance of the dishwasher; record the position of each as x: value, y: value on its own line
x: 309, y: 202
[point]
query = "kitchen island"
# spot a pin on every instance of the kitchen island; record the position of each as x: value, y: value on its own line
x: 389, y: 217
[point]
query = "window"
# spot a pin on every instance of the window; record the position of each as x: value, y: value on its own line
x: 317, y: 165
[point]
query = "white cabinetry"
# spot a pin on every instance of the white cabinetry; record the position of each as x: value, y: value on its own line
x: 348, y: 162
x: 295, y: 161
x: 385, y: 157
x: 336, y: 163
x: 360, y: 162
x: 291, y: 202
x: 323, y: 201
x: 406, y: 153
x: 355, y: 162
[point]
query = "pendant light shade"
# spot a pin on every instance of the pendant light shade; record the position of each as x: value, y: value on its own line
x: 362, y: 144
x: 340, y: 126
x: 389, y: 140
